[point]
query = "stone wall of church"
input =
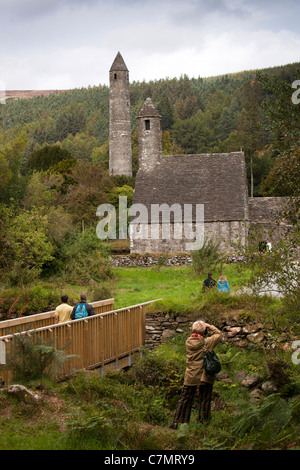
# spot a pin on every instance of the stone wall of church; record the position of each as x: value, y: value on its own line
x: 225, y: 233
x: 266, y: 216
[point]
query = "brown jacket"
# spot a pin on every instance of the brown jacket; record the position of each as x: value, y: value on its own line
x: 195, y: 373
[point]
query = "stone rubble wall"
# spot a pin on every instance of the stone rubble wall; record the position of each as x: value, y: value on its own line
x: 161, y: 327
x: 159, y: 259
x: 149, y: 260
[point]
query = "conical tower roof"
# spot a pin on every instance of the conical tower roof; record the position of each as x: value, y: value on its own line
x: 118, y: 64
x: 149, y: 110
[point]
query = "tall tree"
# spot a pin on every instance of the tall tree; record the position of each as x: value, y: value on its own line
x: 92, y: 186
x: 11, y: 156
x: 283, y: 115
x: 251, y: 136
x: 46, y: 157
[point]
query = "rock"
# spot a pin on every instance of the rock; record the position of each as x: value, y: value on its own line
x: 182, y: 319
x: 285, y: 347
x: 235, y: 339
x: 233, y: 331
x: 249, y: 329
x: 150, y: 328
x: 156, y: 337
x: 251, y: 381
x: 240, y: 343
x: 282, y: 338
x: 222, y: 375
x: 269, y: 387
x: 256, y: 394
x: 239, y: 376
x: 23, y: 393
x: 152, y: 323
x: 256, y: 337
x: 169, y: 324
x: 167, y: 334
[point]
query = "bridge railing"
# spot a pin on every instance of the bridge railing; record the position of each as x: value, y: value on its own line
x: 45, y: 319
x: 93, y: 342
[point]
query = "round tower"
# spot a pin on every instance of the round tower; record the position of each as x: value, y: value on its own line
x: 120, y: 153
x: 149, y: 137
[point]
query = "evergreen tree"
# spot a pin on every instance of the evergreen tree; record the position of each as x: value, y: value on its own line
x: 47, y: 157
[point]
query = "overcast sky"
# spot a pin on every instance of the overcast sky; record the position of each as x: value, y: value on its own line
x: 63, y: 44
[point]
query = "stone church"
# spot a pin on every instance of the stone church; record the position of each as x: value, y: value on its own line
x: 169, y: 190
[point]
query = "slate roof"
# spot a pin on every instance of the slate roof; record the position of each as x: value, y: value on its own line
x: 216, y: 180
x: 148, y: 110
x: 118, y: 64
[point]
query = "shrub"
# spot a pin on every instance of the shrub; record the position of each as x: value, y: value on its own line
x: 154, y: 370
x: 19, y: 275
x: 101, y: 292
x: 92, y: 430
x: 280, y: 372
x: 83, y: 269
x: 17, y: 302
x: 85, y: 258
x: 207, y: 257
x: 29, y: 358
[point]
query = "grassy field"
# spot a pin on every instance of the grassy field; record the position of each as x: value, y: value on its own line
x: 135, y: 285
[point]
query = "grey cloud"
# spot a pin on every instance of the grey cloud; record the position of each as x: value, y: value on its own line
x: 196, y: 12
x: 73, y: 41
x: 33, y: 9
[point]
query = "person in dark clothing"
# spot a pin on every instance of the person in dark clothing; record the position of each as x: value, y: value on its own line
x: 82, y: 309
x: 209, y: 282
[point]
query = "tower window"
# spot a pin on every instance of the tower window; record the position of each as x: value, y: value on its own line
x: 147, y: 124
x: 115, y: 76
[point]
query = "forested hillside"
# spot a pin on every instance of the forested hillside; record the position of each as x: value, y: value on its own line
x: 216, y: 114
x: 54, y: 155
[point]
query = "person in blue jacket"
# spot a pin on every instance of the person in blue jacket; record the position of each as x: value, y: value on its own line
x: 223, y: 285
x: 82, y: 309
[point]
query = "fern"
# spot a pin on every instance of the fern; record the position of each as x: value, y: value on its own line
x: 29, y: 358
x: 267, y: 423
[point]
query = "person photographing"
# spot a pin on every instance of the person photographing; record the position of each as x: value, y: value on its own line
x: 196, y: 375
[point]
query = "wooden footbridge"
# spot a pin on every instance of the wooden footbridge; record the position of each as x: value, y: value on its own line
x: 108, y: 339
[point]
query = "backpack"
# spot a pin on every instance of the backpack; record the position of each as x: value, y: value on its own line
x: 81, y: 311
x: 223, y: 287
x: 212, y: 363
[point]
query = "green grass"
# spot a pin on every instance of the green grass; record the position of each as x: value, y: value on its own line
x: 180, y: 293
x: 133, y: 410
x: 136, y: 285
